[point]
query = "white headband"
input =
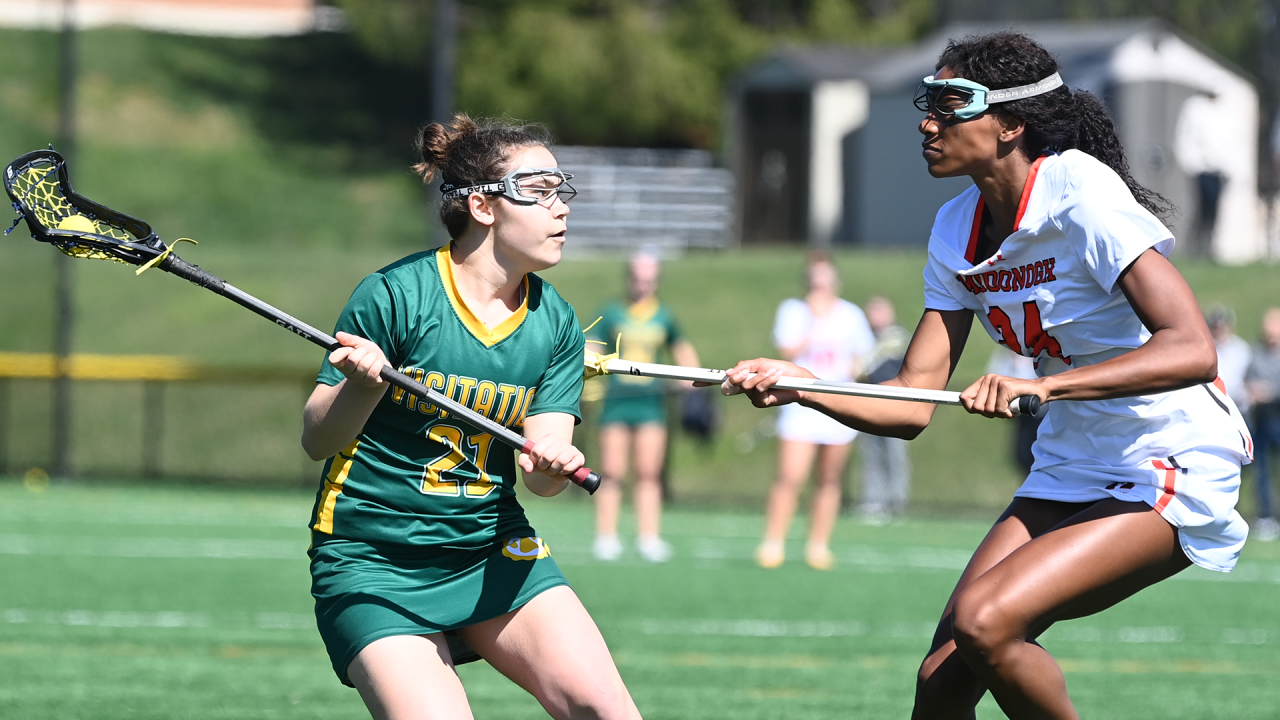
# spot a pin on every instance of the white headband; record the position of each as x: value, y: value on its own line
x: 1024, y: 91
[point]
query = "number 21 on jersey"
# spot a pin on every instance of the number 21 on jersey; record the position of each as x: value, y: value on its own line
x: 439, y: 477
x: 1035, y: 339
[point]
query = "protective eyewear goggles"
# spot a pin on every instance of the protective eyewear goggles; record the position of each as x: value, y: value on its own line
x: 966, y: 99
x: 522, y: 186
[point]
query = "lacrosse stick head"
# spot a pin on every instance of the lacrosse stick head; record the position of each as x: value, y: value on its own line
x: 40, y: 189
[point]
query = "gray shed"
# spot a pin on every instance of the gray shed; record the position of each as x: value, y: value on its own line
x: 825, y: 144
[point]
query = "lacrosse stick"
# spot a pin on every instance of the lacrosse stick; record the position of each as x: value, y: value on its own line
x: 608, y: 365
x: 41, y: 191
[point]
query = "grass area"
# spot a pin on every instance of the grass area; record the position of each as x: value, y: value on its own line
x: 151, y: 602
x: 725, y: 301
x: 282, y: 141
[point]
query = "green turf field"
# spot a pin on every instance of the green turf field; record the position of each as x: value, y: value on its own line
x: 127, y: 601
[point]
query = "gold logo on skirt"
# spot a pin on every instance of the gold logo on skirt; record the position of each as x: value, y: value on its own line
x: 529, y: 548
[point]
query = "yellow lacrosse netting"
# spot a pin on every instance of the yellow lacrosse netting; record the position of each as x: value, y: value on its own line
x: 594, y: 362
x: 38, y: 186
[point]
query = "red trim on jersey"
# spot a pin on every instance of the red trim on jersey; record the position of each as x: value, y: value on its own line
x: 972, y: 253
x: 1026, y: 192
x: 1244, y: 435
x: 1170, y: 480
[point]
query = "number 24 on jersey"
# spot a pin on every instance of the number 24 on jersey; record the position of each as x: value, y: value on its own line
x: 1034, y: 339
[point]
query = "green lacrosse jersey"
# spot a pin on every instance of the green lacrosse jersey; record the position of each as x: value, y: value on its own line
x: 419, y: 475
x: 647, y: 328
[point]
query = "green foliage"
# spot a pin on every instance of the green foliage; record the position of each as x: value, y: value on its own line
x: 394, y: 30
x: 653, y: 72
x: 609, y: 72
x: 295, y: 141
x: 611, y: 79
x: 1233, y: 28
x: 882, y: 23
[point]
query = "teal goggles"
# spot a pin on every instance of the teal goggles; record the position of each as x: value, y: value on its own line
x: 966, y: 99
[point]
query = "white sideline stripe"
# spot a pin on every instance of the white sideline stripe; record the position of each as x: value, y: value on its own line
x: 865, y: 556
x: 871, y: 558
x: 883, y: 558
x: 1162, y: 634
x: 109, y: 618
x: 157, y: 516
x: 868, y: 556
x: 1068, y: 632
x: 1245, y: 571
x: 166, y: 619
x: 753, y: 628
x: 154, y: 547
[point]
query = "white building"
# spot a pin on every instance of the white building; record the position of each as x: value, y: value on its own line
x: 232, y: 18
x: 826, y: 148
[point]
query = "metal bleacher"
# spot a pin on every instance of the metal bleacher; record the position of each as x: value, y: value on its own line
x: 673, y: 200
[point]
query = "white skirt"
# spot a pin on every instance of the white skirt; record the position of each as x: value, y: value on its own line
x: 802, y: 424
x: 1195, y: 491
x: 1179, y: 452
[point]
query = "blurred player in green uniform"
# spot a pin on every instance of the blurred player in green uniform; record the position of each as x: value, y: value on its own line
x: 421, y: 556
x: 634, y: 418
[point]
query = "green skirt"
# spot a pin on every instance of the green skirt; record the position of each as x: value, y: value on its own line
x: 365, y: 593
x: 634, y: 410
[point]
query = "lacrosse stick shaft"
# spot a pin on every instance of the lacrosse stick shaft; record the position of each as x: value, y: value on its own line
x: 584, y: 476
x: 1027, y: 405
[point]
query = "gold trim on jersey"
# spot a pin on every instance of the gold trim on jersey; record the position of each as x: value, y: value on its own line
x: 333, y: 487
x: 644, y: 311
x: 482, y: 332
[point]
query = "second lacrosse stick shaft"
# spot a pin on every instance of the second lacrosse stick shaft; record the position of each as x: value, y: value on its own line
x: 1028, y: 405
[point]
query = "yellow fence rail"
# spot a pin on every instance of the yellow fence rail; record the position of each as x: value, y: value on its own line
x: 140, y: 368
x: 154, y: 372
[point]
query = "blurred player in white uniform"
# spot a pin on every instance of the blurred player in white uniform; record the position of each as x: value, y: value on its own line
x: 1059, y: 253
x: 830, y: 336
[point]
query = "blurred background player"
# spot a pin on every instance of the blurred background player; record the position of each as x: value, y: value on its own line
x: 1234, y: 354
x: 1262, y: 379
x: 886, y: 468
x: 633, y: 421
x: 1199, y: 147
x: 832, y: 337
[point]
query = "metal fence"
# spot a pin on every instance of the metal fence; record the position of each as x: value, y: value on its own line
x: 632, y: 197
x: 157, y: 417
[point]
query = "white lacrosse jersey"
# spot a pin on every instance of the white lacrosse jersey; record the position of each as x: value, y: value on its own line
x: 1050, y: 293
x: 833, y: 344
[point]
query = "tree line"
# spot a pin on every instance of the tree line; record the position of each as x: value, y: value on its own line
x: 653, y: 72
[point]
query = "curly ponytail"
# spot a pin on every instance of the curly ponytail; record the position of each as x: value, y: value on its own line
x: 468, y: 152
x: 1055, y: 121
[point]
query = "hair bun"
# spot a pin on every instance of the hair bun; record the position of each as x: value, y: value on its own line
x: 436, y: 140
